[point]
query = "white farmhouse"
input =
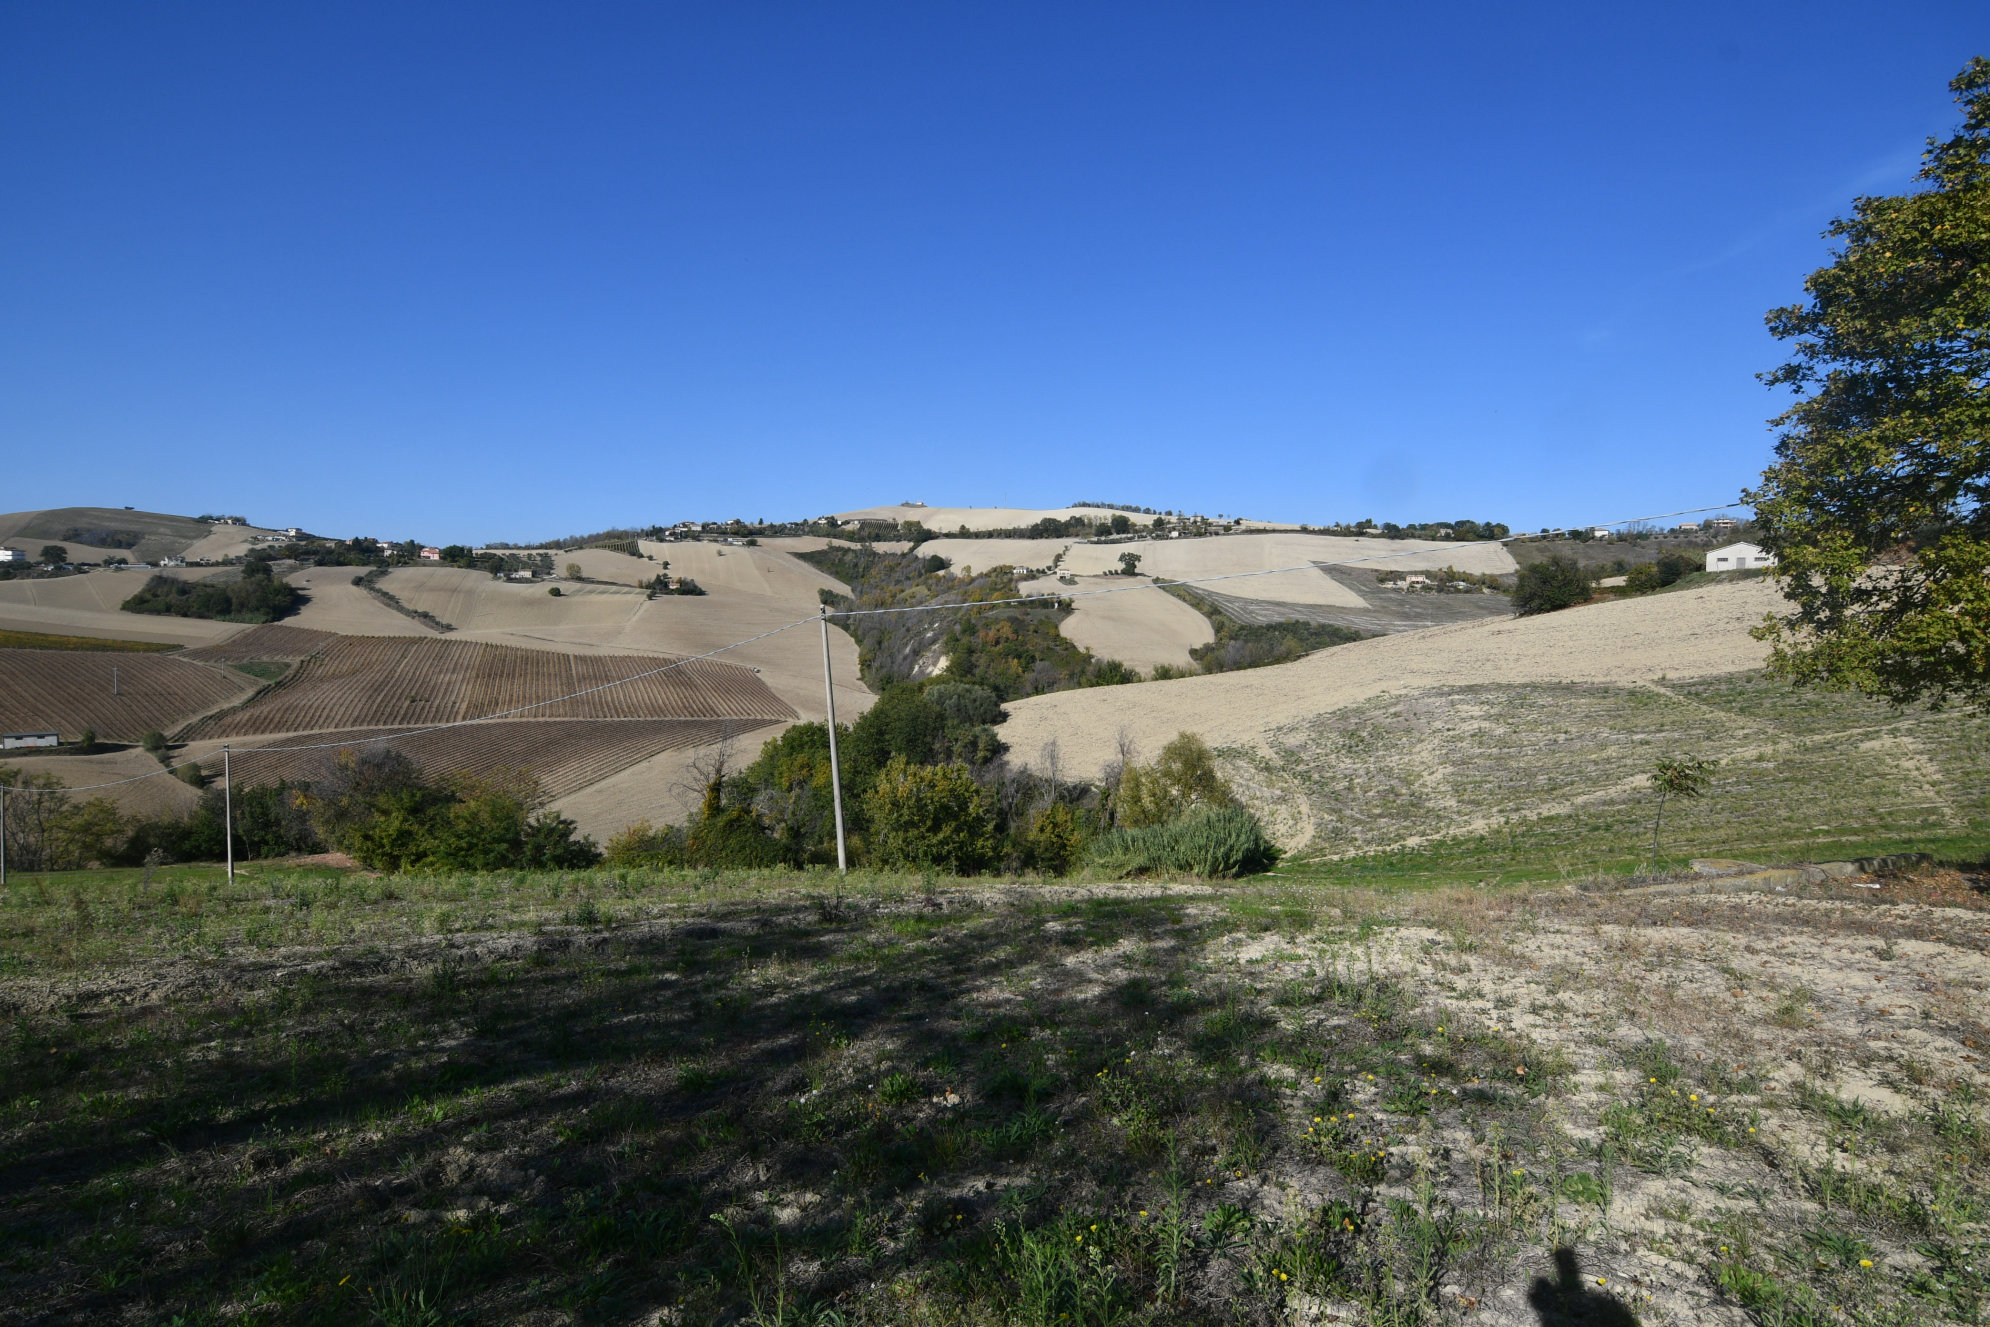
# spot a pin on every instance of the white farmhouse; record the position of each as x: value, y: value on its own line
x: 1734, y: 557
x: 12, y: 555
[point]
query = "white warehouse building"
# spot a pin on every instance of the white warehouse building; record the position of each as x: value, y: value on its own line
x: 1734, y: 557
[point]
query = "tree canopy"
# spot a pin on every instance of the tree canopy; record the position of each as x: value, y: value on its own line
x: 1875, y: 507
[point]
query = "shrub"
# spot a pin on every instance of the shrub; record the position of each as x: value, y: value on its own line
x: 1211, y: 842
x: 1544, y: 587
x: 1055, y: 840
x: 932, y: 817
x: 1183, y: 778
x: 644, y: 845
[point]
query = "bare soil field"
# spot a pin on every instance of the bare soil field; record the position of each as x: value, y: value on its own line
x: 790, y: 663
x: 721, y: 569
x: 336, y: 604
x: 225, y: 541
x: 705, y: 1098
x: 1384, y: 609
x: 1225, y: 555
x: 71, y: 690
x: 472, y: 601
x: 981, y: 554
x: 665, y: 788
x: 566, y: 755
x: 1693, y: 633
x: 361, y: 681
x: 87, y: 605
x: 1140, y: 628
x: 153, y: 792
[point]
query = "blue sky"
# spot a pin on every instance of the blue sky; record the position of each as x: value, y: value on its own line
x: 501, y: 271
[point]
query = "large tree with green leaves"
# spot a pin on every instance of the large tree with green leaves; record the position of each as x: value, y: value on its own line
x: 1875, y: 507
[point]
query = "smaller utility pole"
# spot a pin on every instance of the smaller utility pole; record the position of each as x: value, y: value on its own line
x: 835, y: 773
x: 228, y: 809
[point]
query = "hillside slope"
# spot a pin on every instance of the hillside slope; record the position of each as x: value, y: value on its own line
x: 1694, y: 633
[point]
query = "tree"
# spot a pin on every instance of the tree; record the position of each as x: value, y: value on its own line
x: 1120, y: 522
x: 1684, y: 779
x: 54, y: 554
x: 1129, y: 564
x: 932, y: 817
x: 1878, y: 505
x: 1546, y: 586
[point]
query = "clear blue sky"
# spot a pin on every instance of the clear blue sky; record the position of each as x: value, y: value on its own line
x: 494, y: 271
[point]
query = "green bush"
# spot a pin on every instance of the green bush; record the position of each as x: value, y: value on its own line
x: 1211, y: 842
x: 1183, y: 778
x: 1055, y: 840
x: 929, y: 817
x: 1544, y: 587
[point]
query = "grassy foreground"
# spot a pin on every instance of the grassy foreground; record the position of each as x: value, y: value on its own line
x: 611, y: 1097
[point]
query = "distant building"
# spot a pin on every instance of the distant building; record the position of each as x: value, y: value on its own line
x: 292, y: 531
x: 1723, y: 523
x: 1736, y: 557
x: 1599, y: 532
x: 12, y: 555
x: 9, y: 741
x: 171, y: 562
x: 1688, y: 527
x: 431, y: 555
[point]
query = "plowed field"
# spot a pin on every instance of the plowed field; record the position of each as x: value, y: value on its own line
x: 566, y: 754
x: 362, y: 681
x: 70, y: 690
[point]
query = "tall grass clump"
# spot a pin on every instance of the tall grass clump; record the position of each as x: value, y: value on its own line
x: 1217, y: 842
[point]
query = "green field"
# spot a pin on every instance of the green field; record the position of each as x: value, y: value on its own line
x: 327, y: 1097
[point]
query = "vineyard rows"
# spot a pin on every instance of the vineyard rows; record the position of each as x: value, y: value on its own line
x: 273, y: 641
x: 68, y: 691
x: 385, y: 681
x: 565, y: 754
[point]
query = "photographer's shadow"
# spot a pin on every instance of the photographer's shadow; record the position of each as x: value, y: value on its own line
x: 1567, y: 1302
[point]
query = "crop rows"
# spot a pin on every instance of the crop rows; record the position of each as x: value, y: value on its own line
x: 68, y: 691
x: 565, y: 754
x: 271, y: 641
x: 375, y: 681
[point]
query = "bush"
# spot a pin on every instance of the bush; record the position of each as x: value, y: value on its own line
x: 930, y: 817
x: 1668, y: 570
x: 644, y: 845
x: 1545, y: 587
x: 1211, y: 842
x: 1055, y: 840
x: 1182, y: 779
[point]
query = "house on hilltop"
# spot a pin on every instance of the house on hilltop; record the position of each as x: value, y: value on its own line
x: 431, y: 555
x: 1735, y: 557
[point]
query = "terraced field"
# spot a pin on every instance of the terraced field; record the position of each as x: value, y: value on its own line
x: 566, y: 754
x: 372, y: 681
x: 72, y: 690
